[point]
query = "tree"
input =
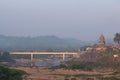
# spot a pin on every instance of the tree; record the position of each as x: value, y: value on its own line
x: 6, y: 57
x: 10, y: 74
x: 117, y: 38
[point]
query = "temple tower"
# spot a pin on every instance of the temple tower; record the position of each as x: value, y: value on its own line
x: 101, y: 41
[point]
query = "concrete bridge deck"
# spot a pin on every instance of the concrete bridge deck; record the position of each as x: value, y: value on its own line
x: 33, y: 53
x: 43, y: 52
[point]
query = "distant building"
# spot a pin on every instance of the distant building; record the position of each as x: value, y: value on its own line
x: 101, y: 45
x: 89, y: 48
x: 101, y: 41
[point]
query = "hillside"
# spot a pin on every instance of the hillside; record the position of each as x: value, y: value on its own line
x: 41, y: 43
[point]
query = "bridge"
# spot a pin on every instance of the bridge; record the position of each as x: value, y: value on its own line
x: 33, y: 53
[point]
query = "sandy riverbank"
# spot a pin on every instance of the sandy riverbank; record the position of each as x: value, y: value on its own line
x: 41, y: 73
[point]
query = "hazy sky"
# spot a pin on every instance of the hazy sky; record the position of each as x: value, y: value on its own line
x: 79, y: 19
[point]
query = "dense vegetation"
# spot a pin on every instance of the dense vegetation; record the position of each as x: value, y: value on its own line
x: 102, y: 60
x: 10, y: 74
x: 5, y: 57
x: 117, y: 38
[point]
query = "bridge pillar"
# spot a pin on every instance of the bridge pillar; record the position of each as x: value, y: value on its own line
x: 31, y: 58
x: 63, y: 57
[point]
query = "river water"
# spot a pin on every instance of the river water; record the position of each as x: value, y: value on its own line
x: 42, y: 63
x: 48, y: 63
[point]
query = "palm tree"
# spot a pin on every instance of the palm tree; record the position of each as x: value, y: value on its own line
x: 117, y: 38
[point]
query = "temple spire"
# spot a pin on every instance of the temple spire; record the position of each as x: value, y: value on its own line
x: 101, y: 41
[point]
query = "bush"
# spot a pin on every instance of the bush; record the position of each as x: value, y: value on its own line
x: 66, y: 79
x: 81, y: 65
x: 73, y: 79
x: 10, y: 74
x: 62, y: 66
x: 6, y: 57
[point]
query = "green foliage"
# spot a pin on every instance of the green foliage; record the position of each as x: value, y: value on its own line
x: 77, y: 65
x: 6, y: 57
x: 117, y: 38
x: 66, y: 79
x: 80, y: 75
x: 106, y: 60
x: 115, y: 73
x: 109, y: 78
x: 117, y: 51
x: 73, y: 79
x: 104, y: 57
x: 62, y: 66
x: 10, y: 74
x: 102, y: 60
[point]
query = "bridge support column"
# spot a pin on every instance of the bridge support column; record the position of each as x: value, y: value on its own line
x: 63, y: 57
x: 31, y: 58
